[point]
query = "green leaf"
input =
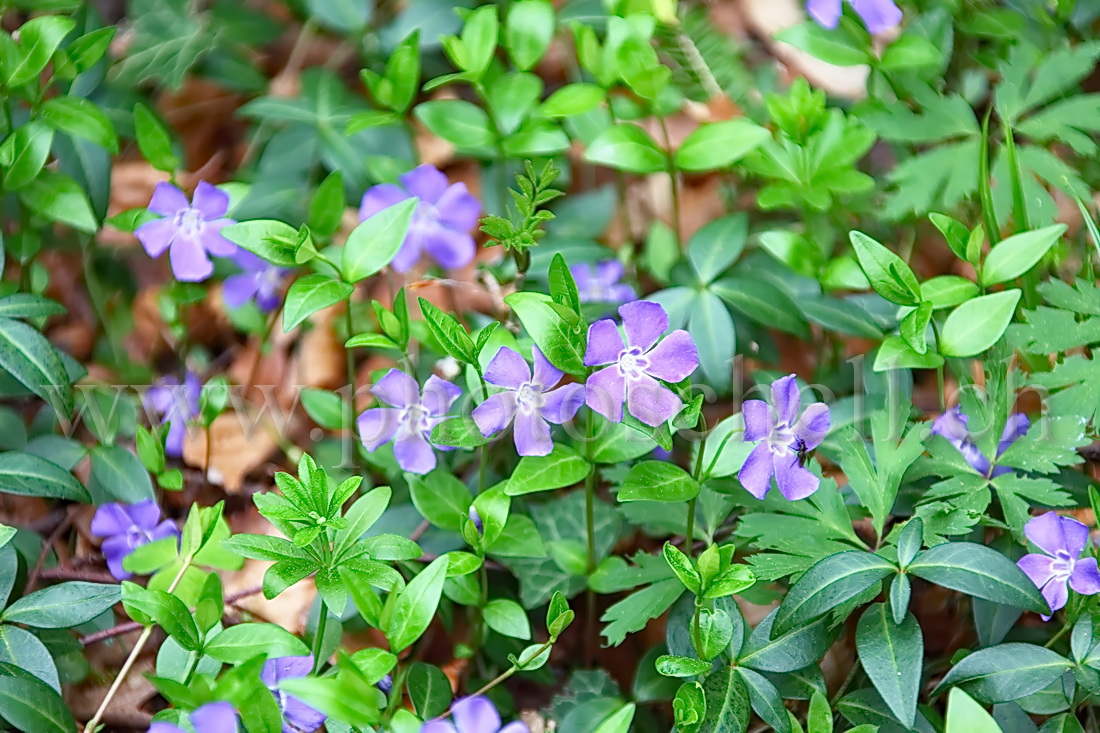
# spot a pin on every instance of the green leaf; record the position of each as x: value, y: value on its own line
x: 964, y: 715
x: 24, y: 152
x: 978, y: 571
x: 459, y: 432
x: 683, y: 568
x: 712, y: 329
x: 167, y: 611
x: 273, y: 240
x: 914, y: 328
x: 719, y: 144
x: 507, y: 618
x: 362, y: 515
x: 895, y: 353
x: 374, y: 242
x: 830, y: 582
x: 562, y: 467
x: 429, y: 690
x: 449, y: 332
x: 28, y: 305
x: 238, y: 644
x: 892, y: 655
x: 528, y: 31
x: 911, y: 51
x: 562, y: 343
x: 310, y: 294
x: 458, y: 122
x: 727, y: 702
x: 31, y: 705
x: 80, y: 118
x: 415, y: 608
x: 763, y: 302
x: 326, y: 208
x: 840, y: 46
x: 38, y: 39
x: 63, y: 606
x: 766, y: 700
x: 888, y: 274
x: 28, y: 475
x: 154, y: 140
x: 626, y: 147
x: 1006, y: 672
x: 658, y: 481
x: 977, y: 324
x: 947, y: 291
x: 717, y: 245
x: 59, y: 198
x: 563, y: 288
x: 636, y: 610
x: 118, y: 475
x: 572, y: 99
x: 29, y: 357
x: 441, y: 499
x: 715, y: 632
x: 787, y: 652
x: 671, y: 666
x: 25, y: 651
x: 1016, y: 255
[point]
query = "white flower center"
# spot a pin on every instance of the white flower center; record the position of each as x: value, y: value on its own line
x: 633, y: 363
x: 781, y: 439
x: 415, y: 419
x: 529, y: 398
x: 271, y: 278
x: 190, y: 222
x: 1062, y: 566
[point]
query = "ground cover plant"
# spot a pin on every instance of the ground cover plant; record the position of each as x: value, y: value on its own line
x: 582, y: 366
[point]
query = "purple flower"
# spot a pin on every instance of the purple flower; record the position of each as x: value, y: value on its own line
x: 638, y: 364
x: 952, y: 426
x: 784, y: 437
x: 531, y: 401
x: 474, y: 714
x: 126, y: 527
x: 600, y: 284
x: 214, y: 717
x: 261, y: 281
x: 442, y: 221
x: 189, y: 230
x: 1062, y: 539
x: 409, y: 421
x: 475, y: 517
x: 878, y: 15
x: 176, y: 404
x: 297, y: 716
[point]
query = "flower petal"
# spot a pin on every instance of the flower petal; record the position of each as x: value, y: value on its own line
x: 167, y: 200
x: 167, y: 528
x: 412, y: 246
x: 210, y: 201
x: 213, y: 241
x: 156, y: 235
x: 438, y: 726
x: 476, y: 714
x: 813, y: 426
x: 458, y: 208
x: 795, y: 481
x: 609, y: 272
x: 507, y: 369
x: 160, y: 727
x: 1016, y: 427
x: 285, y: 668
x: 379, y: 197
x: 397, y: 388
x: 605, y: 343
x: 645, y: 322
x: 878, y: 15
x: 452, y: 249
x: 952, y: 426
x: 546, y: 374
x: 115, y: 549
x: 605, y: 392
x: 1056, y: 594
x: 240, y: 289
x: 376, y: 426
x: 1051, y: 533
x: 109, y: 520
x: 413, y: 453
x: 1037, y: 567
x: 825, y: 13
x: 144, y: 514
x: 675, y: 358
x: 561, y: 404
x: 299, y: 716
x: 494, y: 414
x: 787, y: 399
x: 426, y: 182
x: 758, y: 420
x: 1085, y: 578
x: 974, y: 456
x: 650, y: 401
x: 756, y: 472
x: 439, y: 395
x: 189, y: 260
x: 532, y: 435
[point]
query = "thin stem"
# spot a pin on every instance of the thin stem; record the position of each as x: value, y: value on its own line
x: 134, y: 654
x: 673, y: 179
x: 319, y: 636
x: 505, y: 674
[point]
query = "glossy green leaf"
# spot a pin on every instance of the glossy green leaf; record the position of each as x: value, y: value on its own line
x: 718, y: 144
x: 562, y: 467
x: 415, y: 608
x: 828, y: 583
x: 892, y: 655
x: 626, y: 147
x: 1014, y: 256
x: 310, y: 294
x: 977, y: 324
x: 978, y: 571
x: 658, y: 481
x: 373, y: 244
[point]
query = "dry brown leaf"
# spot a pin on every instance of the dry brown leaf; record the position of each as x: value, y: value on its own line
x: 238, y: 447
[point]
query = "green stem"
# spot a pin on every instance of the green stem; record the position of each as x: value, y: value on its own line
x: 319, y: 636
x: 505, y: 674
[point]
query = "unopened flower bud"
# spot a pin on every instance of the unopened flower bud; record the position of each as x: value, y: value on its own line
x: 476, y: 519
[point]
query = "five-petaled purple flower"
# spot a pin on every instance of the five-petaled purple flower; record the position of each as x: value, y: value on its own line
x: 1062, y: 539
x: 297, y: 716
x: 601, y: 283
x: 637, y: 364
x: 441, y: 224
x: 126, y: 527
x: 952, y: 426
x: 878, y: 15
x: 474, y: 714
x: 785, y: 436
x: 214, y: 717
x: 261, y: 281
x: 409, y: 420
x: 176, y: 404
x: 191, y: 231
x: 531, y: 401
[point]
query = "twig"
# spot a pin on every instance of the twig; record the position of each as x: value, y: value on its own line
x: 32, y: 578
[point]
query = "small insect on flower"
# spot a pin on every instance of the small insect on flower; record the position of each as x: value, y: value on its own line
x: 189, y: 230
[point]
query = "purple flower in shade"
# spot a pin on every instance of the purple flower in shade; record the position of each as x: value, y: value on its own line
x: 126, y: 527
x: 600, y: 284
x: 878, y: 15
x: 214, y: 717
x: 952, y: 426
x: 635, y: 366
x: 532, y: 402
x: 474, y: 714
x: 1061, y: 539
x: 191, y: 231
x: 785, y: 435
x: 441, y: 224
x: 261, y: 281
x: 410, y: 420
x: 176, y: 404
x: 297, y: 716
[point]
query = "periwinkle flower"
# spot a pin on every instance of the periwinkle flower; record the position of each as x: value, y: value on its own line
x: 126, y: 527
x: 952, y: 425
x: 878, y: 15
x: 409, y: 420
x: 601, y: 283
x: 1062, y: 539
x: 214, y: 717
x: 297, y: 716
x: 260, y: 281
x: 475, y: 517
x: 636, y: 365
x: 532, y: 402
x: 190, y: 230
x: 785, y: 433
x: 474, y: 714
x: 441, y: 224
x: 175, y: 404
